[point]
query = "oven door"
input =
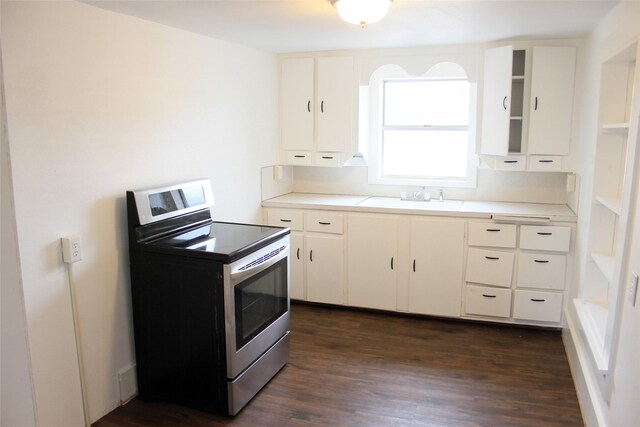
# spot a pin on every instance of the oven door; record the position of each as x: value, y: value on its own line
x: 256, y: 304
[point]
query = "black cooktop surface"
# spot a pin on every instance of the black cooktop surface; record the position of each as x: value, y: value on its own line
x: 222, y: 241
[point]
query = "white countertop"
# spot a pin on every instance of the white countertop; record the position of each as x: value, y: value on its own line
x: 508, y: 211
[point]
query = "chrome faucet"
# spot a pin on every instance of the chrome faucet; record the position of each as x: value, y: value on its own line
x: 441, y: 197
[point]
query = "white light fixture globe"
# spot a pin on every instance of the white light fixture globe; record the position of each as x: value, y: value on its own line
x: 362, y: 12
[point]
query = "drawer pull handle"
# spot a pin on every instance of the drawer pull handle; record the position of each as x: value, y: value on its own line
x: 299, y: 156
x: 392, y: 263
x: 324, y: 223
x: 541, y: 261
x: 492, y: 257
x: 285, y: 220
x: 309, y: 106
x: 510, y: 161
x: 504, y: 103
x: 327, y: 157
x: 545, y: 161
x: 544, y: 234
x: 414, y: 265
x: 537, y: 300
x: 311, y: 255
x: 298, y: 253
x: 493, y: 229
x: 488, y: 296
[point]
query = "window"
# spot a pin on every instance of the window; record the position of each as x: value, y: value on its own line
x: 423, y: 133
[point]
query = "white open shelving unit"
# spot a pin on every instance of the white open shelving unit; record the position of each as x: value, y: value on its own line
x: 601, y: 293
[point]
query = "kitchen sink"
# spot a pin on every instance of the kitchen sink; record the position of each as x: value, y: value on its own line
x: 391, y: 202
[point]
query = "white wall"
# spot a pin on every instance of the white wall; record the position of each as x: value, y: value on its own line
x: 618, y: 30
x: 99, y: 103
x: 16, y: 407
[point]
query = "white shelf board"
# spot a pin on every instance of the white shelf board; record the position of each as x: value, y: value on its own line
x: 614, y: 204
x: 517, y: 77
x: 605, y: 263
x: 593, y: 321
x: 616, y: 126
x: 516, y: 117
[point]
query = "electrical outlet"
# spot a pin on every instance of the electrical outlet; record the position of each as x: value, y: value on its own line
x: 632, y: 291
x: 71, y: 249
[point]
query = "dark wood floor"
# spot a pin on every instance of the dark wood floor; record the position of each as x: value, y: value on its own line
x: 351, y: 368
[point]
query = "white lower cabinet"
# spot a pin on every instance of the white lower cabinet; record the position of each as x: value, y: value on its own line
x: 533, y: 271
x: 486, y: 301
x: 514, y: 273
x: 372, y: 255
x: 538, y: 306
x: 436, y: 270
x: 490, y: 267
x: 324, y: 269
x: 296, y: 267
x: 316, y: 260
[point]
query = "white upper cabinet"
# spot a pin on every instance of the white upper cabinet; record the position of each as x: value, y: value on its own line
x: 551, y: 105
x: 317, y: 110
x: 297, y: 104
x: 334, y: 104
x: 527, y: 107
x: 497, y: 100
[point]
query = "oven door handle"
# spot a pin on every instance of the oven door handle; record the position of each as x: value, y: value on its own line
x: 236, y: 276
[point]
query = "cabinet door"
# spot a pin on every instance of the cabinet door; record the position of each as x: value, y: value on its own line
x: 334, y: 104
x: 372, y: 261
x: 437, y: 252
x: 296, y: 265
x: 551, y: 109
x: 297, y: 106
x: 324, y: 269
x: 496, y: 101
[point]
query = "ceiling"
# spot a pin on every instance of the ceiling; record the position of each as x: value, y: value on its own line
x: 314, y: 25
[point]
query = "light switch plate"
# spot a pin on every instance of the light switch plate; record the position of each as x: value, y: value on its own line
x: 632, y: 291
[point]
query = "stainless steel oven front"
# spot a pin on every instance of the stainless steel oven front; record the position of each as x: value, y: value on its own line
x: 256, y: 299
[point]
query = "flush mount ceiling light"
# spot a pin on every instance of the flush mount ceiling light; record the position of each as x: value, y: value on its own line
x: 361, y: 12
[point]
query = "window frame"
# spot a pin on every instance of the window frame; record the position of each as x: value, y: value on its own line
x: 438, y: 71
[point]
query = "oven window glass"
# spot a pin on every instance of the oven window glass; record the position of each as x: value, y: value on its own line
x: 260, y: 300
x: 169, y: 201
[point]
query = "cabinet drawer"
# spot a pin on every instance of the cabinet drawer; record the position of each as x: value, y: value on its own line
x: 285, y: 218
x: 300, y: 158
x: 510, y: 163
x: 545, y: 238
x: 545, y: 163
x: 490, y: 267
x: 324, y: 222
x: 489, y: 234
x: 543, y: 271
x: 326, y: 159
x: 541, y: 306
x: 488, y: 301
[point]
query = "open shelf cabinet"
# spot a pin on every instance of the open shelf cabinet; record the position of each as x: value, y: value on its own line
x: 602, y: 289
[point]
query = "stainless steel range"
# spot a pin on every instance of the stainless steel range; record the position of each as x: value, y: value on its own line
x: 210, y: 299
